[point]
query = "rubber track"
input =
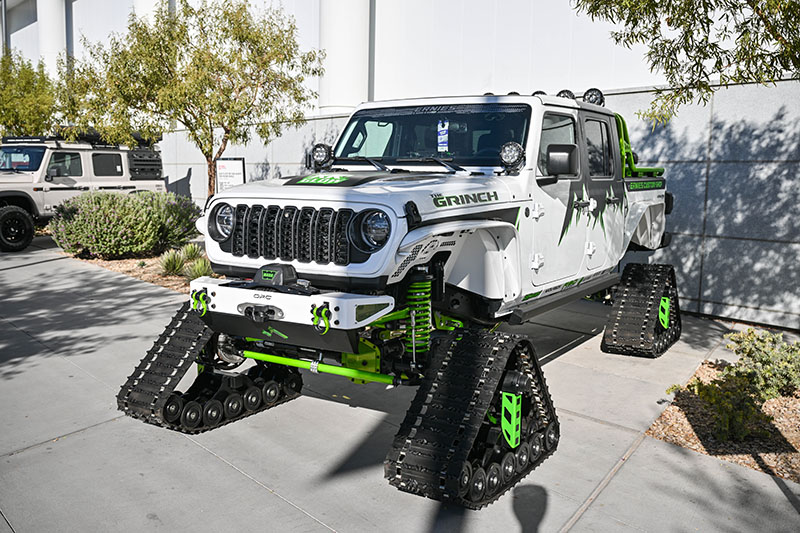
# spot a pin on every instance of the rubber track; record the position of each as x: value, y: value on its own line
x: 448, y: 410
x: 153, y: 381
x: 633, y: 327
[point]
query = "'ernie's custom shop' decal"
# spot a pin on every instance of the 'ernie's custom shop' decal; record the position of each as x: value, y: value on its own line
x: 644, y: 185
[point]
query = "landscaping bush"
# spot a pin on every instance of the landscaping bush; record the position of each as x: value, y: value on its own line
x: 191, y: 252
x: 112, y: 226
x: 172, y: 263
x: 772, y: 365
x: 736, y: 406
x: 197, y: 269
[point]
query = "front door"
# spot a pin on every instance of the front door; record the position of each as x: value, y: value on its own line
x: 66, y: 179
x: 559, y: 225
x: 606, y: 192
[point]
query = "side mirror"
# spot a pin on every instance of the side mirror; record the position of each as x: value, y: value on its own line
x: 562, y: 159
x: 53, y: 172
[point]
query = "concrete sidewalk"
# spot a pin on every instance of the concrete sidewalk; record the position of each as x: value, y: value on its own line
x: 70, y: 333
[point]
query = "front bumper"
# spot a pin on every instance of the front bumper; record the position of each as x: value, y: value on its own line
x: 328, y: 320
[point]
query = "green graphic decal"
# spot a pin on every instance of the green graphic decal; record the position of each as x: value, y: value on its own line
x: 663, y: 312
x: 440, y: 200
x: 645, y: 185
x: 270, y: 331
x: 268, y: 275
x: 573, y: 283
x: 532, y: 295
x: 511, y: 418
x: 323, y: 179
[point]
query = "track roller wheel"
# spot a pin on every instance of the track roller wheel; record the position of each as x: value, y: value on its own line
x: 551, y: 436
x: 271, y: 392
x: 477, y: 485
x: 522, y: 455
x: 233, y: 405
x: 536, y: 447
x: 212, y: 413
x: 494, y: 478
x: 294, y: 382
x: 464, y: 479
x: 173, y: 408
x: 508, y: 466
x: 191, y: 415
x: 252, y: 398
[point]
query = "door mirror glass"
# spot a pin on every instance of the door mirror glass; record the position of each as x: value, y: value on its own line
x: 53, y: 172
x: 562, y: 159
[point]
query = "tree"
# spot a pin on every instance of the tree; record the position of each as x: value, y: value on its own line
x: 27, y: 97
x: 697, y: 45
x: 218, y: 69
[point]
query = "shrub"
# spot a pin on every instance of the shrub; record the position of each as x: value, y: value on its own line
x: 736, y: 406
x: 199, y: 268
x: 111, y: 225
x: 772, y: 365
x: 172, y: 263
x: 191, y: 252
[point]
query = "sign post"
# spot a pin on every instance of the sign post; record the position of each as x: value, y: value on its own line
x: 230, y: 172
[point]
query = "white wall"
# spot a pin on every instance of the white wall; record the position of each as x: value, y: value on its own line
x: 23, y: 30
x: 95, y: 20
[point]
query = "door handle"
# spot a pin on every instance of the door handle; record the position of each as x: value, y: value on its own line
x: 581, y: 204
x: 613, y: 201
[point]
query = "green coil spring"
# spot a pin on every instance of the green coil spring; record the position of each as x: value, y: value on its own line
x: 418, y: 335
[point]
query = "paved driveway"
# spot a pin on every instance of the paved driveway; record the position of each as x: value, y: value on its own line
x: 71, y: 332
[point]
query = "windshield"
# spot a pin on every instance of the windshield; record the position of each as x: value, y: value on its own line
x: 466, y: 134
x: 21, y: 157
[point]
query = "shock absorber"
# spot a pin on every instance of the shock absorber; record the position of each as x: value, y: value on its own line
x: 418, y: 329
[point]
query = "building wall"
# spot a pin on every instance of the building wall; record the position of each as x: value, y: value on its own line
x: 733, y: 165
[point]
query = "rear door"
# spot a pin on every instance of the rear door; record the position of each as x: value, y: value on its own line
x: 605, y: 191
x: 108, y: 172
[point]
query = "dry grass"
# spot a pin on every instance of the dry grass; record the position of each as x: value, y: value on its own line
x: 687, y: 422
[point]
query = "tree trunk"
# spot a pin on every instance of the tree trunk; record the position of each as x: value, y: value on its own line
x: 212, y: 176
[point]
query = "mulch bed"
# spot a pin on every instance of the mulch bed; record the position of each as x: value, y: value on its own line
x: 148, y: 269
x: 687, y: 422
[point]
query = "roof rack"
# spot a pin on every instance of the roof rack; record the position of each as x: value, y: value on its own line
x: 92, y: 137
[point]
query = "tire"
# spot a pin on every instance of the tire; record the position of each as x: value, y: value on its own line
x: 16, y: 229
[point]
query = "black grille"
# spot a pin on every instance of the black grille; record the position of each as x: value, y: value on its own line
x: 289, y: 233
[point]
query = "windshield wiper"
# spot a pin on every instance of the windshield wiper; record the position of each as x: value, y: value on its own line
x: 374, y: 162
x: 449, y: 166
x: 15, y: 170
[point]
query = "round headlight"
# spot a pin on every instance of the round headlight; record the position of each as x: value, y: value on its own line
x: 370, y: 230
x: 223, y: 221
x: 594, y: 96
x: 566, y: 93
x: 321, y: 154
x: 511, y: 154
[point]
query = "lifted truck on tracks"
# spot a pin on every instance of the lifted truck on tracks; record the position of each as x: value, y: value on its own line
x: 429, y: 223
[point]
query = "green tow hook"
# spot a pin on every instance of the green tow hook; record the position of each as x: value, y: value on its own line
x: 200, y: 301
x: 663, y: 312
x: 511, y: 418
x: 322, y: 318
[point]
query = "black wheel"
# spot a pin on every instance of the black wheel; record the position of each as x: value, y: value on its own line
x: 271, y: 392
x: 464, y: 478
x: 16, y: 229
x: 212, y: 413
x: 508, y: 466
x: 294, y: 382
x: 522, y: 455
x: 494, y: 478
x: 233, y: 405
x: 536, y: 447
x: 192, y: 415
x: 172, y: 409
x: 477, y: 485
x: 252, y: 398
x: 551, y: 436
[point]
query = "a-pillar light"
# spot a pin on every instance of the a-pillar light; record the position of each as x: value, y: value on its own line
x: 322, y: 155
x: 512, y: 155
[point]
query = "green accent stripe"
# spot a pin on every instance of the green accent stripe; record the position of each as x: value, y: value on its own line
x: 321, y: 367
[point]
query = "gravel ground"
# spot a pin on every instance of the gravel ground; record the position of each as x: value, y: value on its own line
x: 689, y: 423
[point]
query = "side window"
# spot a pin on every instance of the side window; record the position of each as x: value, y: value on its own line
x: 597, y: 144
x: 107, y: 164
x: 69, y: 163
x: 556, y: 129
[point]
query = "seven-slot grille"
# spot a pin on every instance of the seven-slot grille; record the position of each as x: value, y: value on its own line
x: 290, y: 233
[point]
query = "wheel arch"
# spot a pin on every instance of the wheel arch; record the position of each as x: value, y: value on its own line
x: 19, y: 199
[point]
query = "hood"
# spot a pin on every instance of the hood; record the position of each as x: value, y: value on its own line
x: 430, y: 191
